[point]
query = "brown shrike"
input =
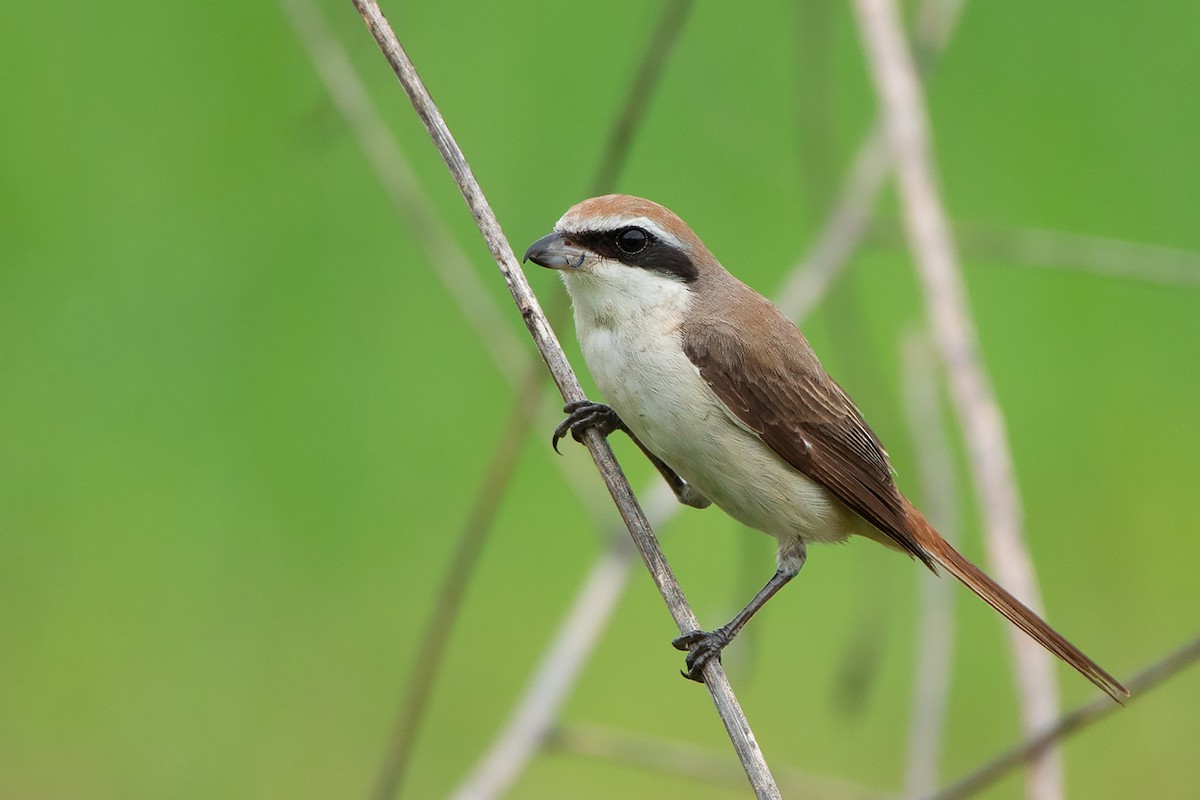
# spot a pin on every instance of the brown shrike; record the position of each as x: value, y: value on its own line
x: 725, y: 396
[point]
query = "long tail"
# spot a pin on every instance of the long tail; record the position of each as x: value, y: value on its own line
x: 1013, y: 609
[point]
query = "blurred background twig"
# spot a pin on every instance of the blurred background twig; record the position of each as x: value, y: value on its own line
x: 979, y: 414
x: 939, y: 498
x: 236, y: 461
x: 1093, y: 711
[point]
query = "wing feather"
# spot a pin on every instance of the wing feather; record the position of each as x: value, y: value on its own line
x: 782, y: 393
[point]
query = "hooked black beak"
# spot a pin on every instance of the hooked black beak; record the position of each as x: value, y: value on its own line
x: 553, y: 251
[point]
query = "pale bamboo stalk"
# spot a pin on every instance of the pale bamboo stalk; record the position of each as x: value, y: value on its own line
x: 894, y: 74
x: 844, y: 228
x: 726, y: 702
x: 935, y: 636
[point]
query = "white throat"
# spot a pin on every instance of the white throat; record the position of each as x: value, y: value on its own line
x: 628, y: 322
x: 638, y: 303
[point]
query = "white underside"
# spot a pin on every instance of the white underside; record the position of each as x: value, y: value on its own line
x: 631, y: 342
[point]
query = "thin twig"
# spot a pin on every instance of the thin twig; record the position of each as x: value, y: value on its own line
x: 979, y: 413
x: 1101, y: 255
x: 412, y: 206
x: 432, y: 646
x: 654, y: 60
x: 535, y: 713
x: 935, y: 639
x: 580, y: 631
x: 852, y: 216
x: 1088, y: 714
x: 564, y: 377
x: 843, y: 230
x: 347, y: 89
x: 450, y: 264
x: 700, y: 764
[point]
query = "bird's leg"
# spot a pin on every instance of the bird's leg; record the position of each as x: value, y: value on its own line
x: 584, y: 414
x: 684, y: 491
x: 704, y: 645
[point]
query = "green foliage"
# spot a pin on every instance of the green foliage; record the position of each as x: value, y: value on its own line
x: 240, y: 422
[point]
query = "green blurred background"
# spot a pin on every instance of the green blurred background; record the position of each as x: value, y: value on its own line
x: 240, y: 422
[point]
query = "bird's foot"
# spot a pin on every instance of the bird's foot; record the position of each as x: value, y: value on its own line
x: 702, y: 647
x: 582, y: 415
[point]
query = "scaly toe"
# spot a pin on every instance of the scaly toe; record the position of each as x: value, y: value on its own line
x: 702, y: 647
x: 687, y: 640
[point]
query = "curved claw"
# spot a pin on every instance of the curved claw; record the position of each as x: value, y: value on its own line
x: 582, y: 415
x: 559, y: 432
x: 703, y: 646
x: 566, y: 426
x: 688, y: 640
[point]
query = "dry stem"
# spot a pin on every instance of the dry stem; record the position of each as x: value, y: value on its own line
x: 978, y: 411
x: 1088, y: 714
x: 447, y: 259
x: 433, y: 642
x: 935, y: 639
x: 344, y: 84
x: 577, y: 636
x: 691, y: 761
x: 564, y: 377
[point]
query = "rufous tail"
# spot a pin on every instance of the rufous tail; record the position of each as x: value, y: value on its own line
x: 1013, y: 609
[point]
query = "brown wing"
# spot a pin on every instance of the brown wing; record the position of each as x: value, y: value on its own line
x: 782, y: 393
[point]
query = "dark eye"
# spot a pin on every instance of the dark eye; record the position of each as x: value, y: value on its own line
x: 632, y: 240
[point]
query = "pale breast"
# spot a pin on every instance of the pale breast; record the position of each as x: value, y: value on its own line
x: 645, y: 376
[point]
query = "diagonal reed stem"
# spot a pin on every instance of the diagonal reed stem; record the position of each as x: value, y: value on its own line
x: 907, y: 130
x: 1088, y: 714
x: 552, y: 353
x: 431, y: 648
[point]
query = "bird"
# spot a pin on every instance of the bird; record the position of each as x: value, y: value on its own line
x: 728, y: 400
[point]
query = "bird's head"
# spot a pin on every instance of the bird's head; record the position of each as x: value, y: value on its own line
x: 603, y: 239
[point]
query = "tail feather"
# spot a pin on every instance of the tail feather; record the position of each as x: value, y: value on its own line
x: 1013, y: 609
